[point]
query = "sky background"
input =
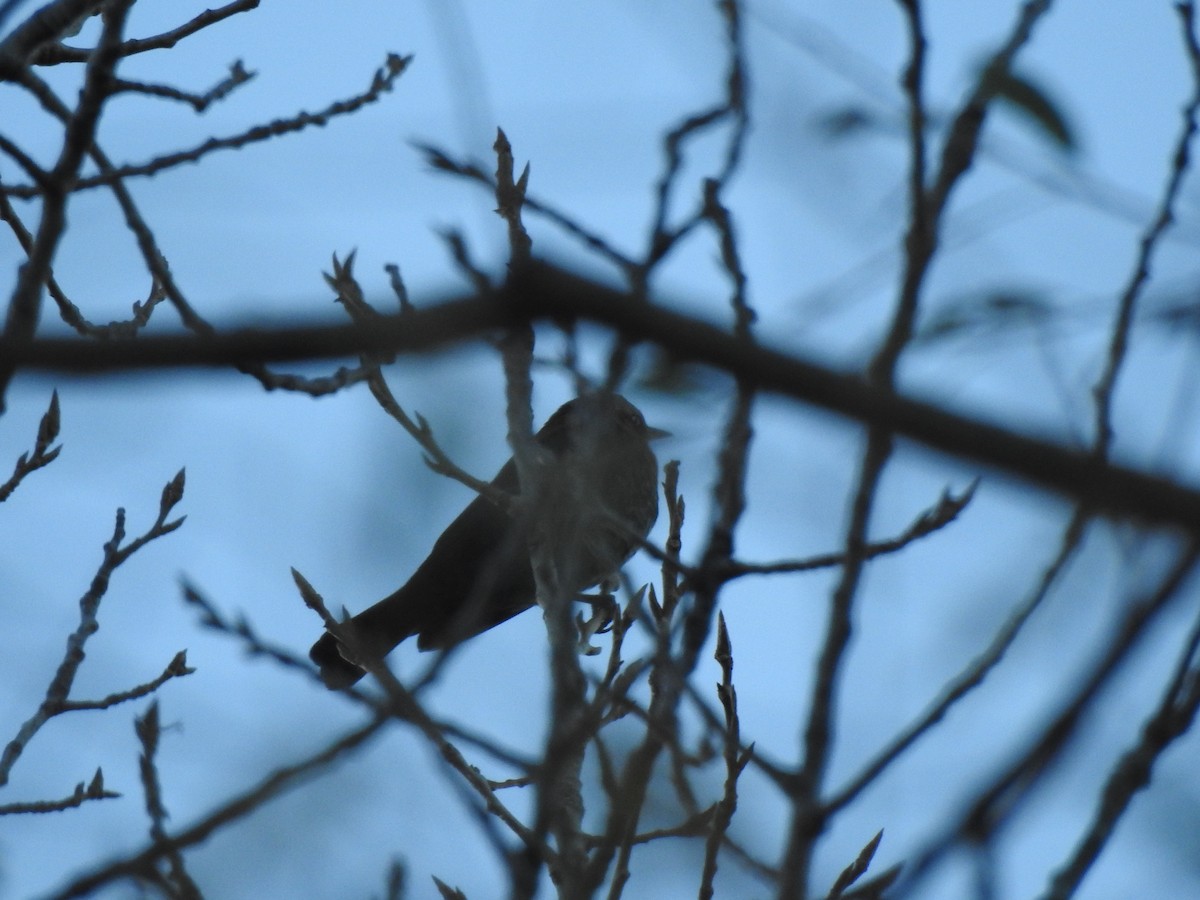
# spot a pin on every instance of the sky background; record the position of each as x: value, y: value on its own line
x: 333, y: 487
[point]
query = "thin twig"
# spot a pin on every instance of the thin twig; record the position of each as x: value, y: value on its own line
x: 441, y: 161
x: 735, y: 762
x: 947, y: 510
x: 1172, y: 719
x: 115, y: 553
x: 994, y: 804
x: 181, y: 884
x: 56, y: 54
x: 176, y: 668
x: 94, y: 790
x: 383, y: 81
x: 43, y: 454
x: 970, y: 678
x: 1147, y: 244
x: 238, y: 75
x: 141, y: 864
x: 24, y: 309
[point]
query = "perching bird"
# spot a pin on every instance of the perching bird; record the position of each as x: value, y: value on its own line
x: 598, y: 489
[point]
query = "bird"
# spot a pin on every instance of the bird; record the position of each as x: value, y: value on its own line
x: 597, y: 500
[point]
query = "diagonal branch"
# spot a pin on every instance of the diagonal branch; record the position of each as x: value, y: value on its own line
x: 544, y: 292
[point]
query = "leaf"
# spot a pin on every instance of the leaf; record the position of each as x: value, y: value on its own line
x: 845, y: 121
x: 1030, y: 100
x: 1180, y: 312
x: 985, y: 312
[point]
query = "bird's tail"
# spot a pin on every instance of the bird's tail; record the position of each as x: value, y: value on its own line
x: 376, y: 631
x: 336, y: 671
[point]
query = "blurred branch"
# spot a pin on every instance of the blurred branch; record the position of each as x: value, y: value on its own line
x: 926, y: 208
x: 546, y: 292
x: 992, y: 806
x: 1173, y: 718
x: 79, y: 129
x: 663, y: 238
x: 1181, y: 698
x: 967, y: 680
x: 1149, y: 241
x: 1103, y: 392
x: 178, y: 883
x: 48, y: 24
x: 958, y: 153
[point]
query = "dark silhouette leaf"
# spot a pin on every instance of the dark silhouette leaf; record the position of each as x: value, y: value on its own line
x: 1031, y: 100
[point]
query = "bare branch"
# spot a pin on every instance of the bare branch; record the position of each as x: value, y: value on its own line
x: 55, y: 54
x: 441, y: 161
x: 930, y: 521
x: 115, y: 554
x: 971, y: 677
x: 382, y: 82
x: 1172, y: 719
x: 46, y: 25
x: 142, y: 863
x: 1149, y: 241
x: 735, y: 761
x: 551, y: 293
x: 996, y: 801
x: 176, y: 668
x: 238, y: 75
x: 94, y: 790
x: 176, y: 876
x: 25, y: 305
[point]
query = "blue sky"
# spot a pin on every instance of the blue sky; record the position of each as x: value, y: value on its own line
x: 332, y: 487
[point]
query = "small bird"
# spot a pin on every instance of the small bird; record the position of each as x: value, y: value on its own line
x: 597, y: 498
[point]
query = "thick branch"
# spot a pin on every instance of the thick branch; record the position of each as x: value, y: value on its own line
x: 545, y: 292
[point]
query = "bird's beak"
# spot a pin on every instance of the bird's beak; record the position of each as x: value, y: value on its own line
x: 654, y: 434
